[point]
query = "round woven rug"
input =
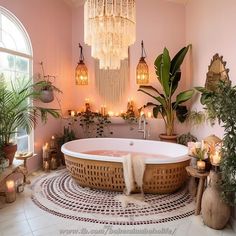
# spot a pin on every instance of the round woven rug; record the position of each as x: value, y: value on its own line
x: 59, y: 195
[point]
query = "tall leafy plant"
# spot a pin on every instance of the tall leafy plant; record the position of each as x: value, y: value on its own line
x: 168, y: 74
x: 16, y: 110
x: 220, y: 104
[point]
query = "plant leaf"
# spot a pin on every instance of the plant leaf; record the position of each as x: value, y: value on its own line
x: 184, y: 96
x: 150, y: 88
x: 165, y: 72
x: 178, y: 59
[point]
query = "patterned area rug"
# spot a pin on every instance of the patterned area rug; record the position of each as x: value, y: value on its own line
x: 59, y: 194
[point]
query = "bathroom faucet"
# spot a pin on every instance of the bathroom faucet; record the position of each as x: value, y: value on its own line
x: 142, y: 125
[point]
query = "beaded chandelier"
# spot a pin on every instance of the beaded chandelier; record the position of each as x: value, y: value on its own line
x: 109, y: 27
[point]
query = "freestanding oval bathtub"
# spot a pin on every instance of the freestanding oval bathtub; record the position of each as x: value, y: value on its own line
x: 97, y: 163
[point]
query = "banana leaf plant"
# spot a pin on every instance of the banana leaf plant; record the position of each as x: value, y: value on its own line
x: 167, y: 103
x: 16, y: 110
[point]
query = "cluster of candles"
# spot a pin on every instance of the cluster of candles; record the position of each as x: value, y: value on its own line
x: 215, y: 161
x: 46, y: 150
x: 103, y: 110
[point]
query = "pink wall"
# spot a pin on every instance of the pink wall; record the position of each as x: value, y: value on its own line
x: 48, y: 23
x: 209, y: 27
x: 159, y: 24
x: 56, y: 29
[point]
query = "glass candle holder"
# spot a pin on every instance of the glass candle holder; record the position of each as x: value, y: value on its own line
x: 10, y: 191
x: 201, y: 166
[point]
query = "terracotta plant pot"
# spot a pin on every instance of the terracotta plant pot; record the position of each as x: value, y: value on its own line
x: 10, y: 151
x: 47, y: 96
x: 168, y: 138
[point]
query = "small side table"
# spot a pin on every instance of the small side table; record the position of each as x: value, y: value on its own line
x: 23, y: 169
x: 202, y: 179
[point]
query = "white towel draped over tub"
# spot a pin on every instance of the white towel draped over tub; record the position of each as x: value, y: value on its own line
x: 133, y: 170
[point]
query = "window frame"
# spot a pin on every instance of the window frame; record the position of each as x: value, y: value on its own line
x: 29, y: 57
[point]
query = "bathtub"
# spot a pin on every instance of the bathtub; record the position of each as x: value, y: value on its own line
x: 97, y: 163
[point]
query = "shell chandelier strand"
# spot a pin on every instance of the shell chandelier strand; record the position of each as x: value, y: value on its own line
x: 109, y: 27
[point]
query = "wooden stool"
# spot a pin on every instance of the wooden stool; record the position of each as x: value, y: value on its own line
x: 201, y: 185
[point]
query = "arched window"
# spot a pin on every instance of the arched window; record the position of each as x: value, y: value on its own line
x: 15, y: 61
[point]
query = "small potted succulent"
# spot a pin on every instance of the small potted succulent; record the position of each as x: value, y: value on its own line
x: 46, y: 87
x: 184, y: 139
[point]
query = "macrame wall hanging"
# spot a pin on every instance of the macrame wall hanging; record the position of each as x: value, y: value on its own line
x: 112, y: 84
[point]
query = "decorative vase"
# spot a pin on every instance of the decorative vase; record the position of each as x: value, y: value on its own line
x: 10, y: 151
x: 47, y: 96
x: 168, y: 138
x: 215, y: 212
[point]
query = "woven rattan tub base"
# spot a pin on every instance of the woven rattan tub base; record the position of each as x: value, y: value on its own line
x: 158, y: 178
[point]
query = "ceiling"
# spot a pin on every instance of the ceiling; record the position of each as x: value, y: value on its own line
x: 80, y: 2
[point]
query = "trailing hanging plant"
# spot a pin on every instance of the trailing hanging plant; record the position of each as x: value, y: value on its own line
x: 196, y: 118
x: 93, y: 122
x: 168, y: 74
x: 220, y: 105
x: 45, y: 86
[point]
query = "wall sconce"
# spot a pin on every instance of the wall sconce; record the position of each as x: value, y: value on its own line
x: 81, y: 71
x: 142, y: 73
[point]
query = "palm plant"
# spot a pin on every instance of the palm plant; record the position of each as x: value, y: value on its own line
x: 16, y: 110
x: 168, y: 74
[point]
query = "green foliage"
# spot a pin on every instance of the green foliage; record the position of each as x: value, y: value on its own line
x: 67, y: 136
x: 16, y: 110
x: 185, y: 138
x: 196, y: 118
x: 168, y: 74
x: 221, y: 105
x: 94, y: 122
x: 129, y: 117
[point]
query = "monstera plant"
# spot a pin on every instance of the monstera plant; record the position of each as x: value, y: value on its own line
x: 167, y: 103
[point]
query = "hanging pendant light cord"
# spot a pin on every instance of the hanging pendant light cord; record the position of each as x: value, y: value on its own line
x: 81, y: 58
x: 143, y: 55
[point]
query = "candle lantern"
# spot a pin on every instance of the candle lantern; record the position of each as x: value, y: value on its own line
x: 53, y: 162
x: 87, y: 105
x: 46, y: 165
x: 53, y: 144
x: 10, y: 191
x: 103, y: 110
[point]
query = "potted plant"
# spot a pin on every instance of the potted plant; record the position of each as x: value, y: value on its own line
x: 220, y: 104
x: 46, y: 87
x: 184, y: 139
x: 168, y: 74
x: 16, y: 111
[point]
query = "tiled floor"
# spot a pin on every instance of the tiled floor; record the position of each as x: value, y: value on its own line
x: 24, y: 218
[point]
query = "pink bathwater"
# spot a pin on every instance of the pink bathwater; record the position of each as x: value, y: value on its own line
x: 113, y: 153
